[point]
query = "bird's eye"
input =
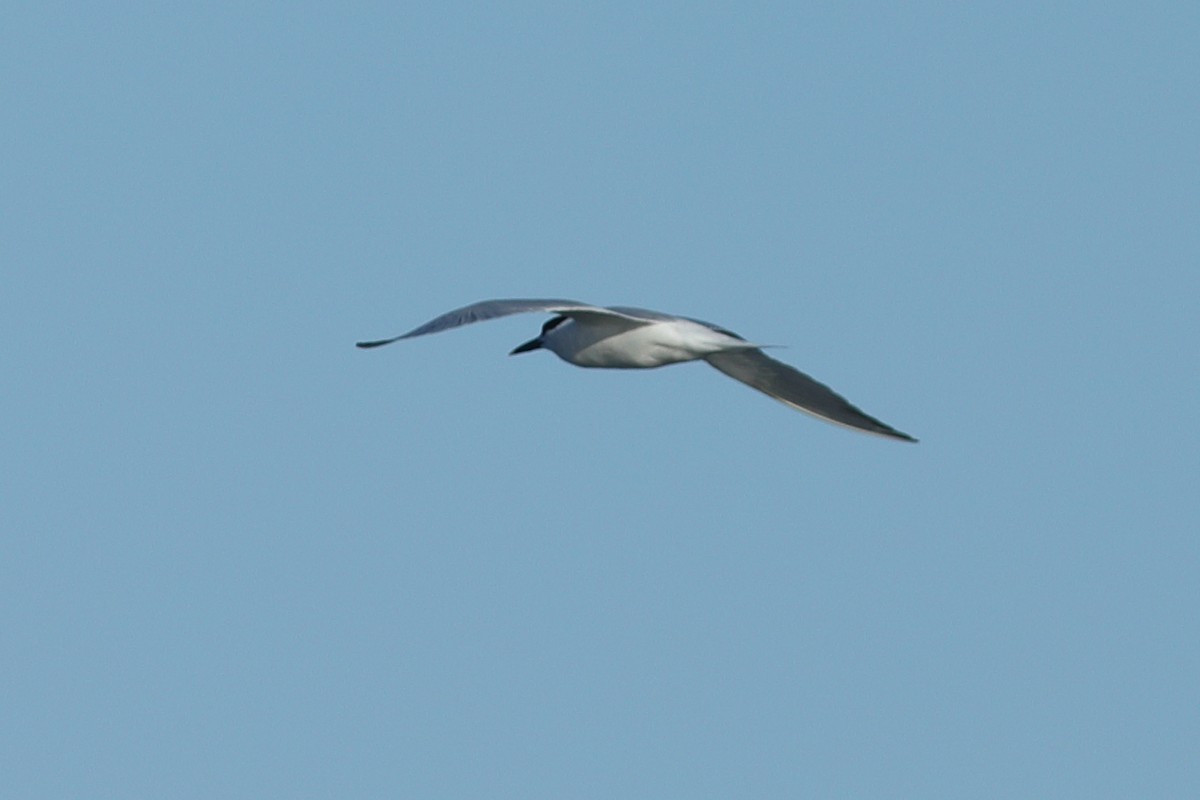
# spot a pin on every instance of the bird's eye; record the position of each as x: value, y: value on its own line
x: 552, y: 323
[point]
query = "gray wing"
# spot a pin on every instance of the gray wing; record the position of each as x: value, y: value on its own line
x: 791, y: 386
x: 491, y: 309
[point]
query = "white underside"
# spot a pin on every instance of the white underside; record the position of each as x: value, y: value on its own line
x: 621, y: 344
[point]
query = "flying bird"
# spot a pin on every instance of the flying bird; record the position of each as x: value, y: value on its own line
x: 619, y: 337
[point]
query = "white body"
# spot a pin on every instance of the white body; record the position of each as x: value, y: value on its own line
x: 615, y: 342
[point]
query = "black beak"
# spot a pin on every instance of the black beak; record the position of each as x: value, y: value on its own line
x: 532, y: 344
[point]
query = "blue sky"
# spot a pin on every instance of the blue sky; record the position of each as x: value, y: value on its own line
x: 242, y: 558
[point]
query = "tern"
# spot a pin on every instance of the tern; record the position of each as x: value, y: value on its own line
x: 619, y: 337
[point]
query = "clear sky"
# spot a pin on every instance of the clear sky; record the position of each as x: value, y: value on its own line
x: 241, y: 558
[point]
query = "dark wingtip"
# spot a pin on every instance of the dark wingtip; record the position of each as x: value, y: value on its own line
x: 365, y: 345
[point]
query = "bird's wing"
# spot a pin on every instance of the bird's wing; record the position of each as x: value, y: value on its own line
x: 491, y: 309
x: 791, y: 386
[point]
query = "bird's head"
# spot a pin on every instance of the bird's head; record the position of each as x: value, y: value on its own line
x: 540, y: 341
